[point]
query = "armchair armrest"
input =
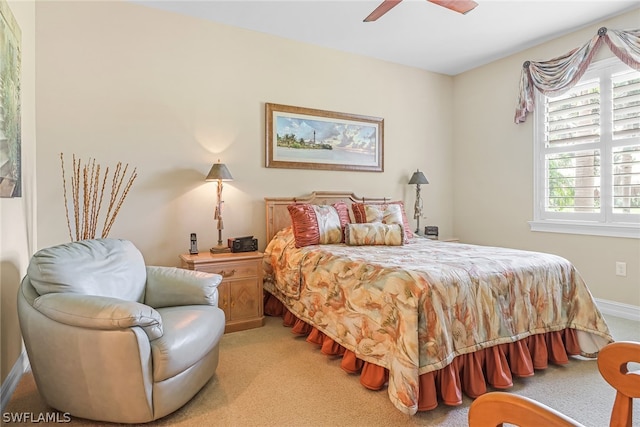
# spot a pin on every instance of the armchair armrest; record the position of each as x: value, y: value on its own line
x: 171, y: 286
x: 97, y: 312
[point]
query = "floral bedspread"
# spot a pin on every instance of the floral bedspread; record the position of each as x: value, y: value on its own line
x: 412, y: 309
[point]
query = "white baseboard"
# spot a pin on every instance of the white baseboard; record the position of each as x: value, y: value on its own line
x: 618, y: 309
x: 11, y: 382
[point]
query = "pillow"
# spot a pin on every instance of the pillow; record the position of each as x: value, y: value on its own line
x: 374, y: 233
x: 382, y: 212
x: 318, y: 224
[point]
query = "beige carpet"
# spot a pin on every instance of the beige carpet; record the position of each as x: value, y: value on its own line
x: 270, y: 377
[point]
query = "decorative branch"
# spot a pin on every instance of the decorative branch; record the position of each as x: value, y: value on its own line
x: 64, y: 192
x: 87, y: 195
x: 123, y: 195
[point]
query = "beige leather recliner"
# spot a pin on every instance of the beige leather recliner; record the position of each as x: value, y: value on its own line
x: 111, y: 339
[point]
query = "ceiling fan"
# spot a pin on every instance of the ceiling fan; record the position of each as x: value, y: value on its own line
x: 460, y: 6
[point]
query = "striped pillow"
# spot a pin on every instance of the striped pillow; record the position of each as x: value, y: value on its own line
x: 318, y: 224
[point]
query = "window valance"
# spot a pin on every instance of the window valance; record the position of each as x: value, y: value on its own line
x: 559, y: 74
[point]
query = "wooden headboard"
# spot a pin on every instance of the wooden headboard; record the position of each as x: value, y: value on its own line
x: 278, y: 215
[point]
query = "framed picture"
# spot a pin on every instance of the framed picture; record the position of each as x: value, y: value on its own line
x: 10, y: 140
x: 306, y: 138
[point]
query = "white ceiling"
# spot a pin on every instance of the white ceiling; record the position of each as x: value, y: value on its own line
x: 415, y: 32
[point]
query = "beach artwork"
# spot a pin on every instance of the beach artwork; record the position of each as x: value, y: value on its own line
x: 304, y: 138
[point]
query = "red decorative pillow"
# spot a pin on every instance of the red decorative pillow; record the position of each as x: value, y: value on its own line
x: 360, y: 215
x: 318, y: 224
x: 343, y: 212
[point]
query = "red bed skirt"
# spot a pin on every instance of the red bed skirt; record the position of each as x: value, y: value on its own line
x: 469, y: 373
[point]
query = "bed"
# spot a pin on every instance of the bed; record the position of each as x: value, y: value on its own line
x: 428, y: 320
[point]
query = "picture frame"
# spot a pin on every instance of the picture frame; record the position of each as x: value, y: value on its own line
x: 308, y: 138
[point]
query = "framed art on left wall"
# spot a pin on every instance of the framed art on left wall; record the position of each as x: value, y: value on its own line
x: 10, y: 151
x: 307, y: 138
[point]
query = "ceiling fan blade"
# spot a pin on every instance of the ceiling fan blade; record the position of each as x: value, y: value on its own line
x: 384, y: 7
x: 460, y: 6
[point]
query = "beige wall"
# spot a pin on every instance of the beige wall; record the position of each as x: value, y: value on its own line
x: 493, y: 172
x: 17, y: 221
x: 171, y: 94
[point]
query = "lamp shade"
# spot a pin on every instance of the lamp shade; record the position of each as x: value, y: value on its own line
x: 418, y: 178
x: 219, y: 172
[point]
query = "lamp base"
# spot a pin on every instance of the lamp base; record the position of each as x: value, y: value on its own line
x: 220, y: 249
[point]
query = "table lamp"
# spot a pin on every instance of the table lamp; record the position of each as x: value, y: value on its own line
x: 418, y: 178
x: 219, y: 172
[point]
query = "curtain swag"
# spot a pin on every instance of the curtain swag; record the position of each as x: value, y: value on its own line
x: 560, y: 74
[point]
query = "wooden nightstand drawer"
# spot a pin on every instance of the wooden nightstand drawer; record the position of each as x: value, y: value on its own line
x: 232, y: 270
x: 240, y: 293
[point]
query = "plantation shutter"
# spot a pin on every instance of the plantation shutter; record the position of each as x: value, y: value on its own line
x: 574, y: 118
x: 626, y: 129
x: 572, y: 121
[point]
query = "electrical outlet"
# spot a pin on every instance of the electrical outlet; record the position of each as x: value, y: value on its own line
x: 621, y: 269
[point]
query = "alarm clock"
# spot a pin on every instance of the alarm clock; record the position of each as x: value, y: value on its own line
x: 243, y: 244
x: 431, y: 232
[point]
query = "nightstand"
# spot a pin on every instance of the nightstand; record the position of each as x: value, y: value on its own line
x: 240, y: 292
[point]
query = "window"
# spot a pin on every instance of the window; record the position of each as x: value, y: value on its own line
x: 587, y: 155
